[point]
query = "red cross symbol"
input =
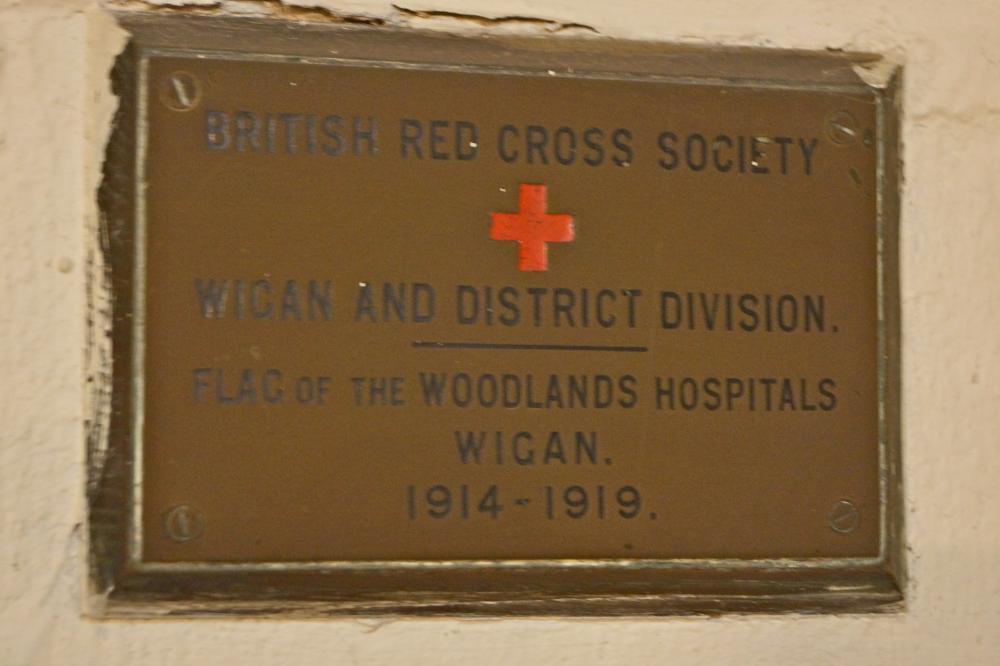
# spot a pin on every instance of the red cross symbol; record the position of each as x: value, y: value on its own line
x: 532, y: 228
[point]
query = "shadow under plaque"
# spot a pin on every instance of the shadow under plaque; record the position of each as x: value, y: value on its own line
x: 419, y: 323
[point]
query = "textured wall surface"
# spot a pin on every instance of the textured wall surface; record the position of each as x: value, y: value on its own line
x: 54, y: 111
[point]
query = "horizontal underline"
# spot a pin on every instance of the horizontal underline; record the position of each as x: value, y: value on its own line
x: 432, y: 344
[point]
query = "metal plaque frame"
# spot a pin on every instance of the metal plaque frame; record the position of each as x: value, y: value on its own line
x: 121, y: 584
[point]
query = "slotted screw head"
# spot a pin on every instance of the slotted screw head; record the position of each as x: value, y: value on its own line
x: 842, y: 128
x: 844, y: 517
x: 180, y: 91
x: 184, y: 523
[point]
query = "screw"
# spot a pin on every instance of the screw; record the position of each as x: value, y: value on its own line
x: 180, y: 91
x: 844, y: 517
x: 842, y: 128
x: 184, y: 523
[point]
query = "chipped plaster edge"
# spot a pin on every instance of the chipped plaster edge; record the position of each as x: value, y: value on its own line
x: 878, y: 73
x: 390, y: 14
x: 104, y: 40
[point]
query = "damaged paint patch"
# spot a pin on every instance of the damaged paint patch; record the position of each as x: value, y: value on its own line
x: 184, y: 3
x: 277, y: 9
x: 396, y: 15
x: 516, y: 24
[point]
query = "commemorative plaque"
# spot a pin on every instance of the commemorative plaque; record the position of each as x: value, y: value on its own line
x: 422, y: 323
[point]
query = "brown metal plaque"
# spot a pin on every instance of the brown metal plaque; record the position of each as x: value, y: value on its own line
x: 433, y: 319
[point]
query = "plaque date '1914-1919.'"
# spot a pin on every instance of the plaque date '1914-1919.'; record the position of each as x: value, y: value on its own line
x: 575, y: 502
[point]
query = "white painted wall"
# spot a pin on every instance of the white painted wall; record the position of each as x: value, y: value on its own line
x: 54, y: 109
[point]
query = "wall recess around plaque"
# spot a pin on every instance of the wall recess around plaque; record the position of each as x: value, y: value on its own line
x: 418, y: 323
